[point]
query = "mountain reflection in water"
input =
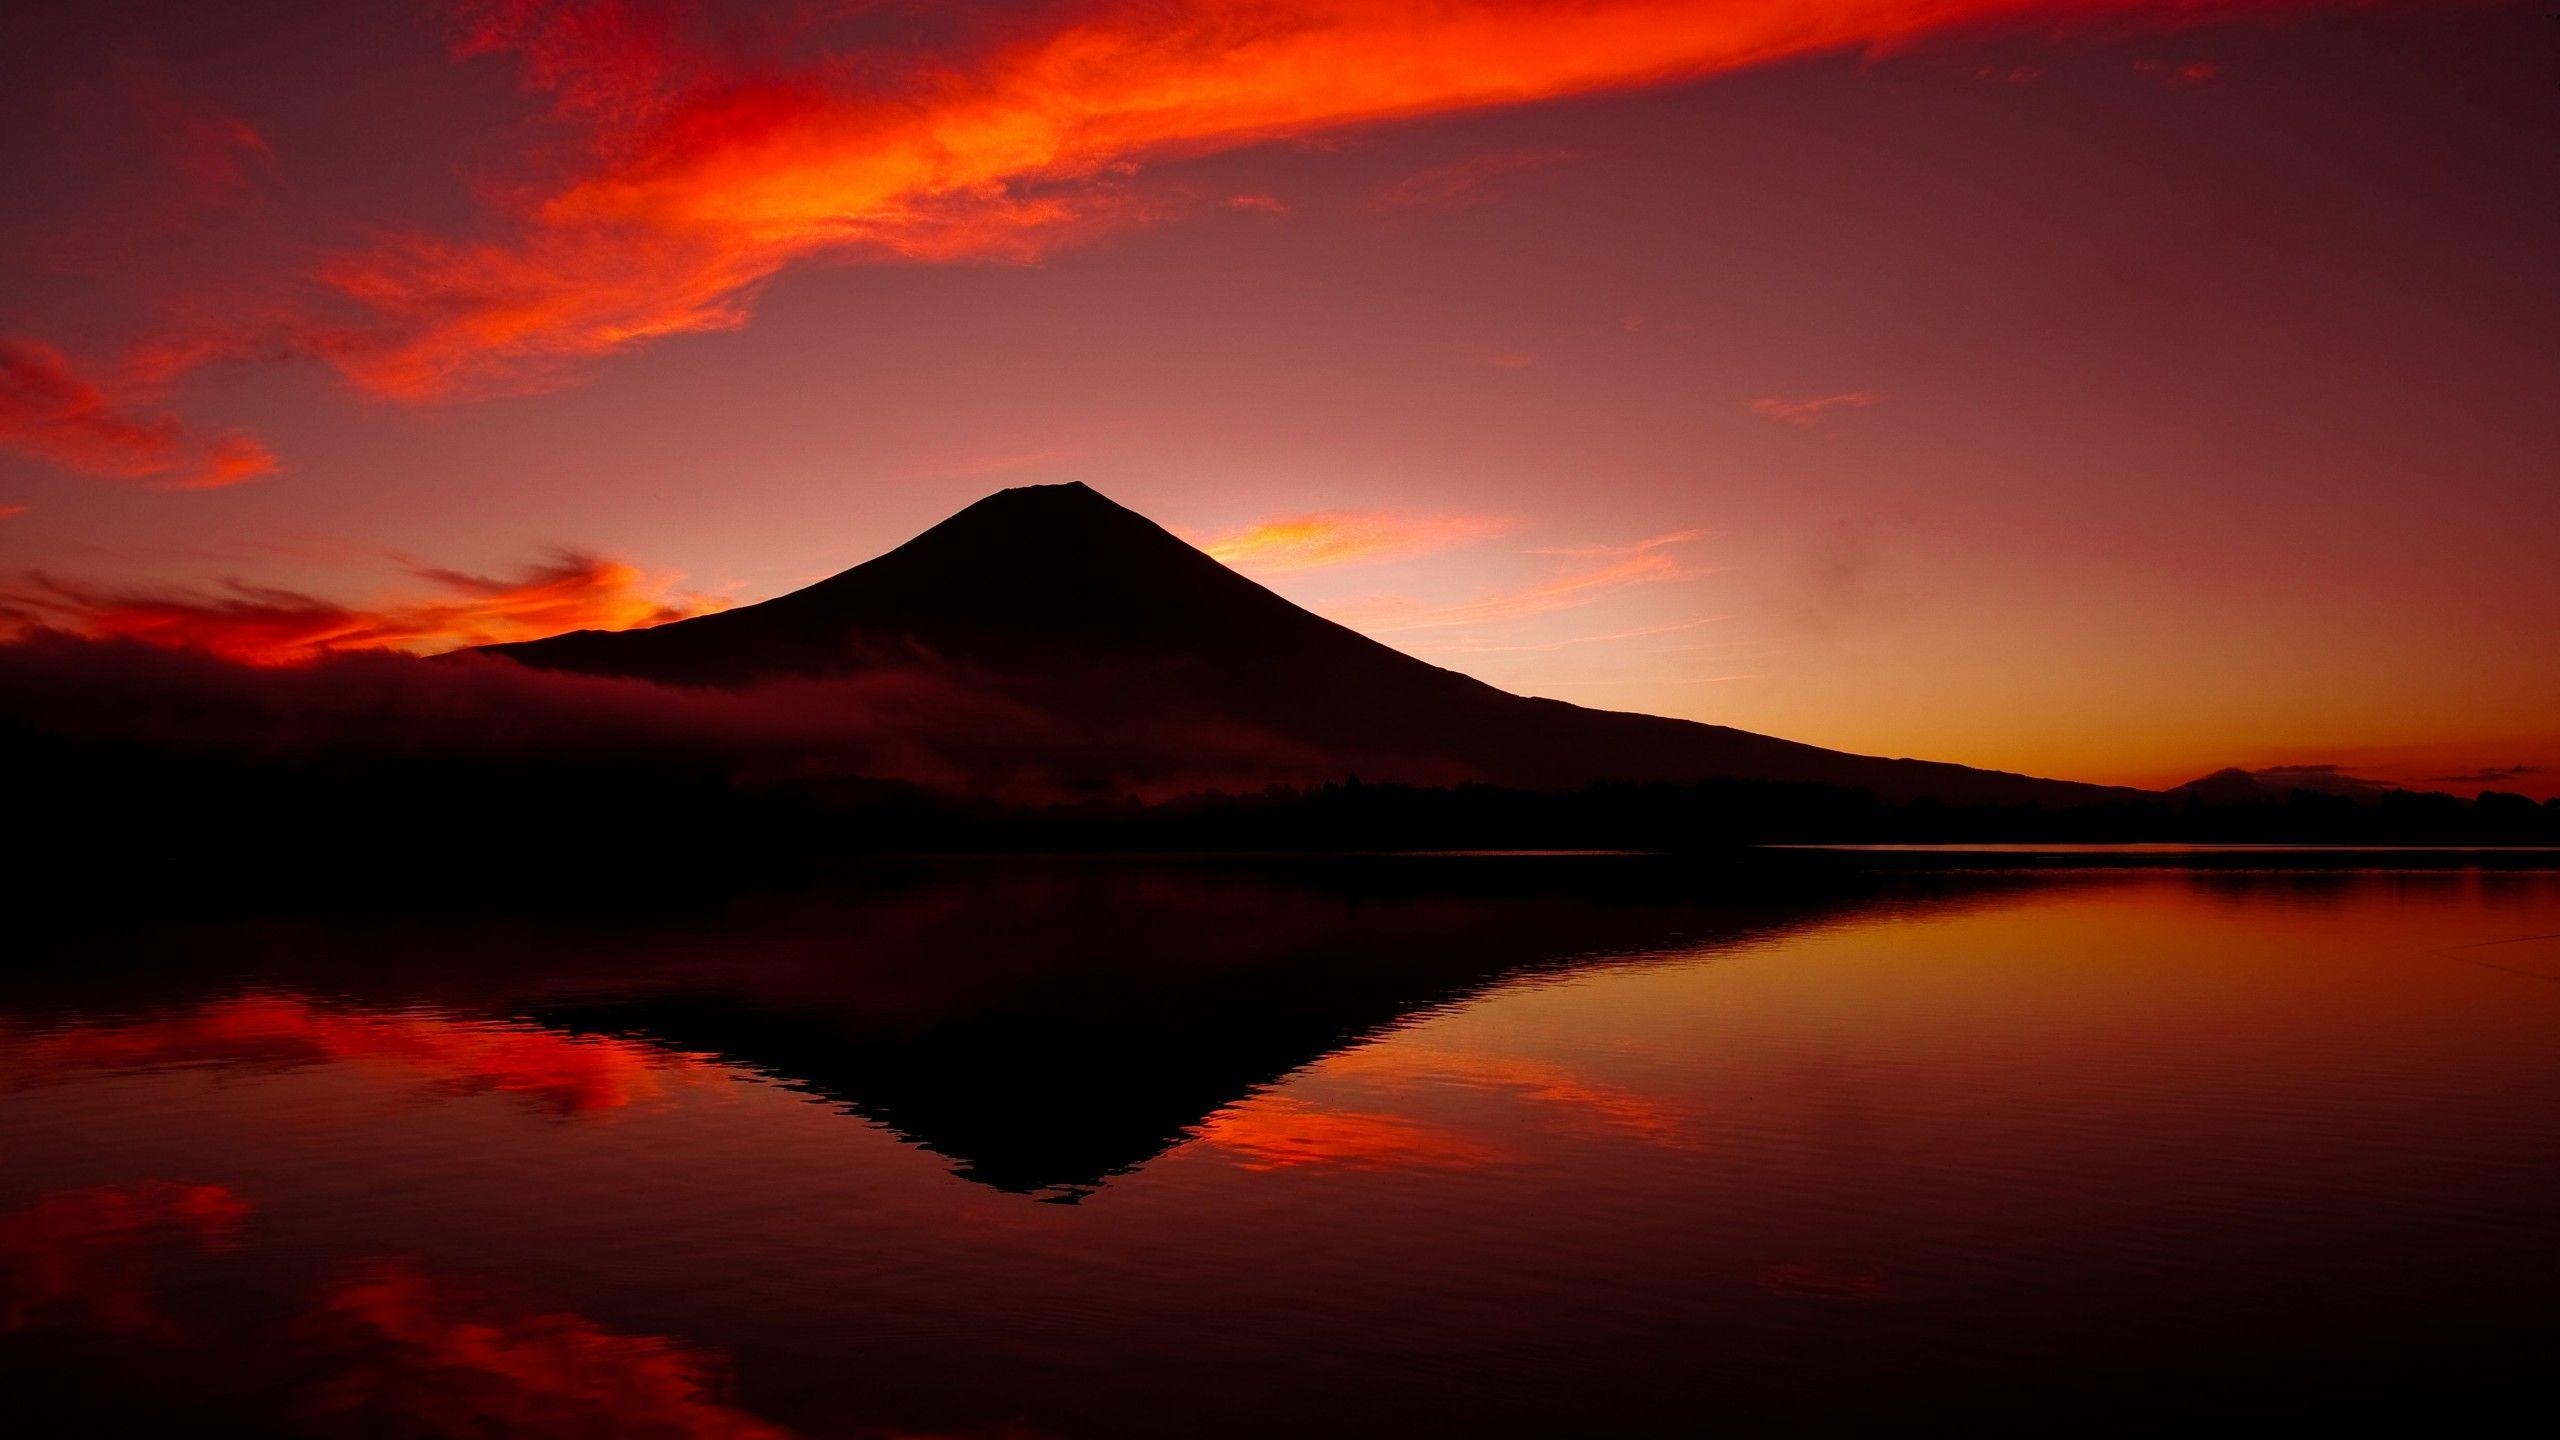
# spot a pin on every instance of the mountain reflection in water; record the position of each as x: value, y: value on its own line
x: 1044, y: 1026
x: 1459, y: 1146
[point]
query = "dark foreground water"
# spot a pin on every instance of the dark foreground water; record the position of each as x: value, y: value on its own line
x: 1416, y: 1148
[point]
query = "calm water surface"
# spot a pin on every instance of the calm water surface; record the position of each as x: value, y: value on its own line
x: 1456, y: 1147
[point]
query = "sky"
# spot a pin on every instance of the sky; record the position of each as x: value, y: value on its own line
x: 2101, y: 389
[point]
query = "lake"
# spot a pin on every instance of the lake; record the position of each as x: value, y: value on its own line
x: 1448, y: 1146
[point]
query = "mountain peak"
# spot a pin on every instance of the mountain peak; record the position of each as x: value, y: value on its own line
x: 1041, y: 576
x: 1035, y: 549
x: 1057, y: 601
x: 1066, y: 493
x: 1066, y: 496
x: 1042, y: 517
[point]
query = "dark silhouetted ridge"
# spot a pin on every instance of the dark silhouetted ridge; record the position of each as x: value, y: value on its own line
x: 1091, y: 614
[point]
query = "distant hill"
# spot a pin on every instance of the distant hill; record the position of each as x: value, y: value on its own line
x: 2234, y: 785
x: 1095, y: 617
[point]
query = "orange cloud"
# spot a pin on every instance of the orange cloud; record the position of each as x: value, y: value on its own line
x: 1810, y: 408
x: 84, y: 1256
x: 228, y: 460
x: 1640, y: 547
x: 1275, y: 1132
x: 1570, y: 641
x: 8, y: 512
x: 266, y: 626
x: 49, y: 410
x: 419, y: 1354
x: 1346, y: 537
x: 561, y: 1074
x: 705, y: 179
x: 1647, y: 562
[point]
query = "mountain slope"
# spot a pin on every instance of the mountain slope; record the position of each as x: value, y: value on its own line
x: 1096, y: 617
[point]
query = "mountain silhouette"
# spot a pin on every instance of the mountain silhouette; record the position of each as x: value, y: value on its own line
x: 1044, y: 1025
x: 1096, y: 619
x: 2236, y: 786
x: 1075, y: 1027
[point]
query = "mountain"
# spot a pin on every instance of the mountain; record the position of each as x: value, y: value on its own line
x: 2236, y: 786
x: 1098, y: 620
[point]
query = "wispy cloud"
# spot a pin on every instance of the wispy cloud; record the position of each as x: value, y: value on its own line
x: 1641, y: 680
x: 1647, y: 562
x: 1805, y: 410
x: 1346, y: 537
x: 1471, y: 181
x: 265, y: 625
x: 215, y: 156
x: 2179, y: 75
x: 50, y: 410
x: 712, y: 157
x: 1473, y: 647
x: 158, y: 162
x: 1259, y: 204
x: 1602, y: 552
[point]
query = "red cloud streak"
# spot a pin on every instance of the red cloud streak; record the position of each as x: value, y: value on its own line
x: 265, y: 626
x: 1346, y: 537
x: 707, y: 177
x: 50, y: 410
x: 1808, y: 409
